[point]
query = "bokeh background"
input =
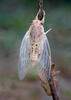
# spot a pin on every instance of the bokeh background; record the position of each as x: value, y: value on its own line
x: 15, y: 18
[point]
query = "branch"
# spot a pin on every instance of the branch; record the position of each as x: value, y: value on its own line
x: 40, y: 4
x: 40, y: 8
x: 51, y: 80
x: 53, y: 88
x: 50, y: 85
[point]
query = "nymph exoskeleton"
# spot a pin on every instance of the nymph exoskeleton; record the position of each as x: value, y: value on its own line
x: 35, y: 49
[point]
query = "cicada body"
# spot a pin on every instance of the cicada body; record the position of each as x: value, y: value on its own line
x: 36, y: 38
x: 35, y: 49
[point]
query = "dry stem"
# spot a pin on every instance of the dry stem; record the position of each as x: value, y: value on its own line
x: 53, y: 88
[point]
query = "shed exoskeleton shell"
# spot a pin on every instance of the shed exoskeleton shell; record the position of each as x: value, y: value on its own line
x: 34, y: 50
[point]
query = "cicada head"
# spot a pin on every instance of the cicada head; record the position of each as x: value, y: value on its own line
x: 37, y: 28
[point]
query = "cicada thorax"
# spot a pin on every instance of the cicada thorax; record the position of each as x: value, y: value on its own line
x: 36, y: 35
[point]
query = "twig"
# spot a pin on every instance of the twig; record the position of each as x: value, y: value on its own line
x: 49, y: 85
x: 50, y: 81
x: 40, y: 4
x: 53, y: 88
x: 40, y: 8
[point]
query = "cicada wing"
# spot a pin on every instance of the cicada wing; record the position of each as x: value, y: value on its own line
x: 24, y: 61
x: 45, y: 59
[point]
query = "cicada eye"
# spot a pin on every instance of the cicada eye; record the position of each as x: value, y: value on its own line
x: 41, y: 23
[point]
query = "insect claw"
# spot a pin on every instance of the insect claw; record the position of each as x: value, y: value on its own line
x: 48, y: 31
x: 55, y: 73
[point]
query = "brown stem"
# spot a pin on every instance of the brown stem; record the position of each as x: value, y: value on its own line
x: 51, y: 81
x: 53, y: 88
x: 40, y: 8
x: 40, y: 4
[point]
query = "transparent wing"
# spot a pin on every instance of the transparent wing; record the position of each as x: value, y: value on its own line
x: 45, y: 59
x: 24, y: 61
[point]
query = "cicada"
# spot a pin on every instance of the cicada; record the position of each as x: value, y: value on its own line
x: 35, y: 49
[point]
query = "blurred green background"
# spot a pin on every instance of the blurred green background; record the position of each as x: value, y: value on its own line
x: 15, y: 18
